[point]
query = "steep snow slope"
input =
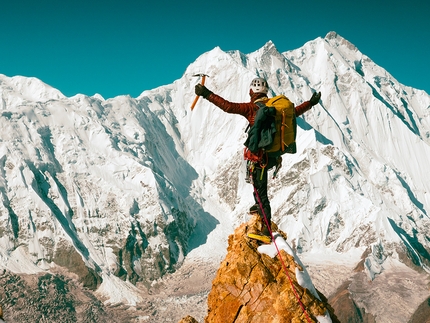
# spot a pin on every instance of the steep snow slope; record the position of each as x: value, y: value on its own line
x: 378, y: 130
x: 88, y: 176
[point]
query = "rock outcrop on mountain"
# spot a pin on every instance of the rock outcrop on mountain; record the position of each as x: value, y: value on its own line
x: 188, y: 319
x: 55, y: 298
x: 255, y: 283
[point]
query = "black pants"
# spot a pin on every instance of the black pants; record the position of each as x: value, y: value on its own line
x: 259, y: 178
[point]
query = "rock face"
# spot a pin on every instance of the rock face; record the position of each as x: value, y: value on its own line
x: 188, y: 319
x: 253, y: 284
x: 54, y: 298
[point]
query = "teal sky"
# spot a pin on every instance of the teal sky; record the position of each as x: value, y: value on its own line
x: 115, y: 47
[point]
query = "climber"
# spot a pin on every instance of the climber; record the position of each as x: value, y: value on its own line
x: 258, y: 92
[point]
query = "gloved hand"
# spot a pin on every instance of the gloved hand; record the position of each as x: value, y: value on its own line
x: 315, y: 98
x: 202, y: 90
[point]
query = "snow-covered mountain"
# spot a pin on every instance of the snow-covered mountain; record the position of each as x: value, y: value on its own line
x: 125, y: 190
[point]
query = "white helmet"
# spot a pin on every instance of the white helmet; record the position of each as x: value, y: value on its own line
x: 259, y: 85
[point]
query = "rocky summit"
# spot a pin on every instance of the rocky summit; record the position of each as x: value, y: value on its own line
x: 256, y: 283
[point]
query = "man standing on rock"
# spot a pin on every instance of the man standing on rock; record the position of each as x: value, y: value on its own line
x: 261, y: 162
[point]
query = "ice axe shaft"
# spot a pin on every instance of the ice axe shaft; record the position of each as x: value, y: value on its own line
x: 202, y: 82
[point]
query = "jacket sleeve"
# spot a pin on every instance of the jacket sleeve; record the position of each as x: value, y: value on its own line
x: 244, y: 109
x: 302, y: 108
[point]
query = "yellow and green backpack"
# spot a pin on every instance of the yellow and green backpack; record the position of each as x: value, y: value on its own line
x: 274, y: 130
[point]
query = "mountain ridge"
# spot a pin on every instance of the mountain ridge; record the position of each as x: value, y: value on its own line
x: 139, y: 187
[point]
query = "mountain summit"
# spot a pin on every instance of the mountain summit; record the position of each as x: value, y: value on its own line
x: 255, y: 283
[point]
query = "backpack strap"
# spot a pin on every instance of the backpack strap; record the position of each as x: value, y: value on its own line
x: 260, y: 105
x: 264, y: 98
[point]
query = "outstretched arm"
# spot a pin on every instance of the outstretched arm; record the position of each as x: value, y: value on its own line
x: 244, y: 109
x: 307, y: 105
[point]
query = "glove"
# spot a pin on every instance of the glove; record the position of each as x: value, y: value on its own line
x: 315, y: 98
x: 202, y: 90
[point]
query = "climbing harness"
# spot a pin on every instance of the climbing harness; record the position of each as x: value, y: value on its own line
x: 251, y: 163
x: 280, y: 257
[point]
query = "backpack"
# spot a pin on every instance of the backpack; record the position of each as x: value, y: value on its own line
x: 274, y: 129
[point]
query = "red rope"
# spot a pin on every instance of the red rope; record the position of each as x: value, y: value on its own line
x: 280, y: 257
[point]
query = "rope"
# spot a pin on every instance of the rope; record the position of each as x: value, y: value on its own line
x: 280, y: 257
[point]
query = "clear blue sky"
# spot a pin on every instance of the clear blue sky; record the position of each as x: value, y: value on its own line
x: 116, y: 47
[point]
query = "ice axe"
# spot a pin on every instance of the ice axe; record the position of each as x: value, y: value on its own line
x: 202, y: 82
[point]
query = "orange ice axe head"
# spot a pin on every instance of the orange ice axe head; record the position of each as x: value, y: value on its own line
x: 202, y: 82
